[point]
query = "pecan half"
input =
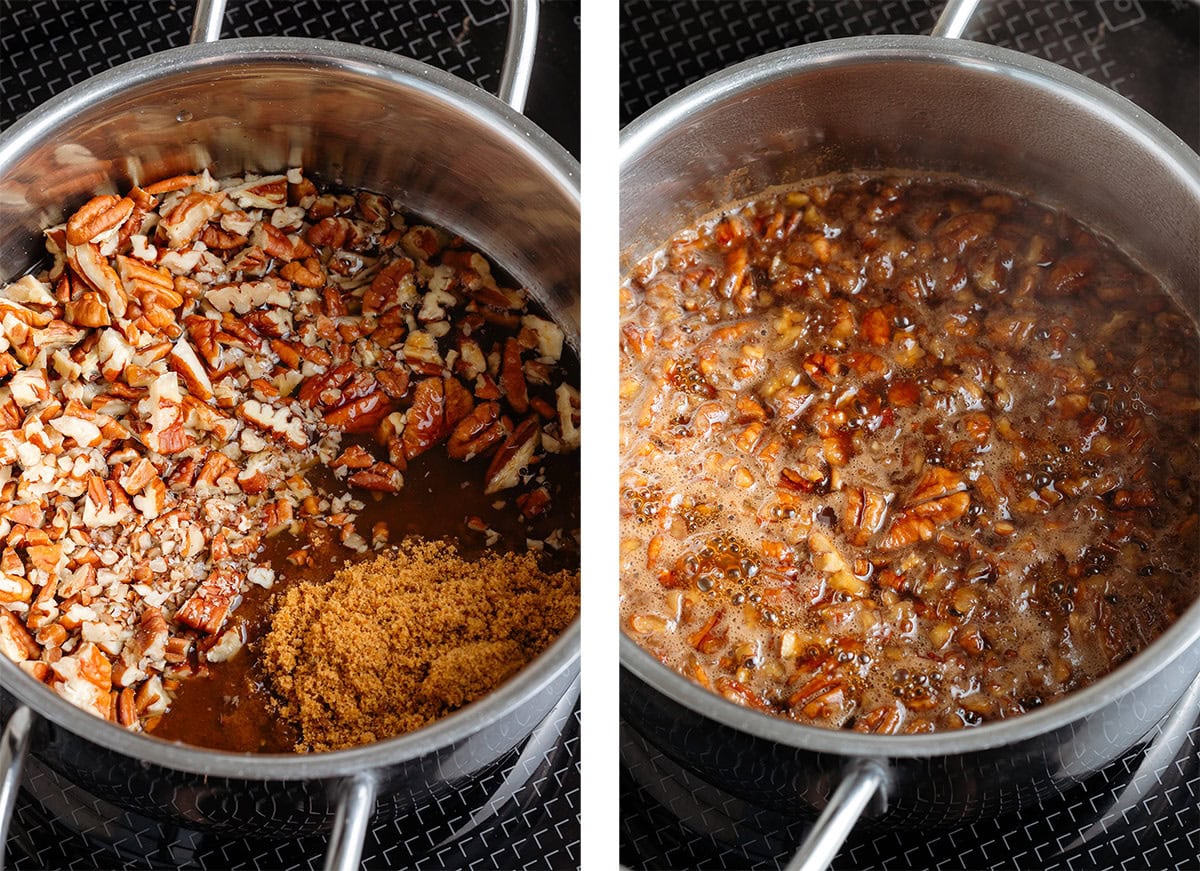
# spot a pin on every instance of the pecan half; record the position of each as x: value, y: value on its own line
x: 98, y: 216
x: 477, y: 433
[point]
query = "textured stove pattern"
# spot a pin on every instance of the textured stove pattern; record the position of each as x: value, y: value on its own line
x: 531, y: 820
x: 1146, y: 50
x: 48, y: 45
x: 1142, y: 811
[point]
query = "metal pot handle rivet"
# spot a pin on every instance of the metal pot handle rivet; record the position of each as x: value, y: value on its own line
x: 13, y: 744
x: 518, y: 52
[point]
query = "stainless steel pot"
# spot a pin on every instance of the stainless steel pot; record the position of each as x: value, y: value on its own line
x: 924, y: 104
x: 354, y: 116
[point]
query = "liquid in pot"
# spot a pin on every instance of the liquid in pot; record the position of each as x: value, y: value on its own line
x: 903, y: 455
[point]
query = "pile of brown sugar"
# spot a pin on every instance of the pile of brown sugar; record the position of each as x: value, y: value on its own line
x: 390, y: 645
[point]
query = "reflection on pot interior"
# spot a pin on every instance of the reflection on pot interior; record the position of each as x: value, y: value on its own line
x: 219, y: 394
x: 902, y: 455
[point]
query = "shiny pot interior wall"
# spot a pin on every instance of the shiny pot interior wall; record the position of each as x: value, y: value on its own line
x: 362, y: 119
x: 912, y: 103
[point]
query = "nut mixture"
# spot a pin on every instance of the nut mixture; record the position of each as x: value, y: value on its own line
x: 195, y: 348
x: 903, y: 455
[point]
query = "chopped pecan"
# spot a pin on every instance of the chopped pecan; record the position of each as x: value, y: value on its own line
x: 476, y: 433
x: 184, y: 362
x: 395, y: 382
x: 354, y: 457
x: 94, y: 269
x: 98, y: 217
x: 174, y: 183
x: 184, y: 222
x: 361, y: 414
x: 306, y: 274
x: 15, y: 641
x: 381, y: 477
x: 222, y: 240
x: 535, y: 502
x: 512, y: 378
x: 516, y: 453
x: 866, y: 511
x: 425, y: 424
x: 935, y: 482
x: 279, y: 422
x: 313, y: 388
x: 268, y: 192
x: 210, y: 603
x: 385, y: 289
x: 88, y: 310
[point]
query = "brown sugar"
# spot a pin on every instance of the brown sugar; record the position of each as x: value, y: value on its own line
x: 390, y: 645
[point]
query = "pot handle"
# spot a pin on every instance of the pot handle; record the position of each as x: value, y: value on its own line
x: 864, y: 779
x: 13, y: 744
x: 355, y: 807
x: 955, y: 17
x: 518, y: 53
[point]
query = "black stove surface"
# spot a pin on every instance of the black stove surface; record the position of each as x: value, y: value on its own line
x: 524, y: 813
x: 1142, y: 812
x: 48, y: 45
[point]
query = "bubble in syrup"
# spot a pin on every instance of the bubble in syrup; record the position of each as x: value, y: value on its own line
x: 183, y: 116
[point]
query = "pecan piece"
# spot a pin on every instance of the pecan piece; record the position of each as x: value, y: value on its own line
x: 174, y: 183
x: 207, y: 607
x: 184, y: 222
x: 425, y: 425
x: 394, y: 382
x: 279, y: 422
x: 312, y: 389
x: 476, y: 433
x: 97, y: 217
x: 876, y: 327
x: 307, y: 274
x: 361, y: 414
x: 184, y: 362
x: 438, y: 405
x: 385, y: 289
x: 866, y: 510
x: 512, y: 377
x: 381, y: 478
x: 822, y: 368
x: 354, y: 457
x: 534, y: 503
x: 935, y: 483
x: 517, y: 452
x: 94, y: 269
x: 334, y: 232
x: 221, y: 240
x: 88, y: 310
x: 15, y: 641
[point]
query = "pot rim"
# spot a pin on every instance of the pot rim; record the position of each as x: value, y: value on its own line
x: 314, y: 54
x: 521, y: 135
x: 640, y: 138
x: 641, y: 135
